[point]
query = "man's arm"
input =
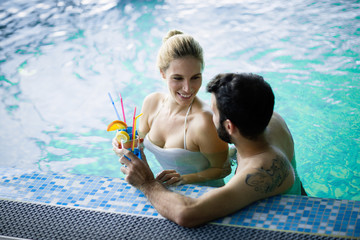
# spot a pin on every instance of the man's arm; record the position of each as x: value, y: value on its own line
x: 219, y: 202
x: 184, y: 211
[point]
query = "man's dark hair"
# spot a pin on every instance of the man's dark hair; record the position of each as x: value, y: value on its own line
x: 245, y: 99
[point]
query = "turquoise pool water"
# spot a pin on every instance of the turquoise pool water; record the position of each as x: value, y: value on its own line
x: 58, y: 61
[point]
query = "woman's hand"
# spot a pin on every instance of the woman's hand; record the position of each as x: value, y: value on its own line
x: 116, y: 148
x: 170, y: 178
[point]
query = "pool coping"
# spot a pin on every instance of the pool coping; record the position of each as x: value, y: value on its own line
x: 285, y: 213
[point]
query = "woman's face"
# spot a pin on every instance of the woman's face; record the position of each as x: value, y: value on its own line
x: 184, y: 79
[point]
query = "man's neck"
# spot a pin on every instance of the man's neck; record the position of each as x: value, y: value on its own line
x: 247, y: 148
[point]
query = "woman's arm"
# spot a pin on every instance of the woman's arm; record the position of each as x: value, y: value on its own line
x: 212, y: 147
x: 172, y: 177
x: 211, y: 173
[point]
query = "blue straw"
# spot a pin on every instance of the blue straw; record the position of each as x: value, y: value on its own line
x: 112, y: 101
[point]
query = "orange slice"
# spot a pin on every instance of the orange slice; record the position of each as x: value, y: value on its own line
x: 122, y: 136
x: 116, y: 125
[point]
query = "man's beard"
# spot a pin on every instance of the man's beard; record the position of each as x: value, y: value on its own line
x: 223, y: 134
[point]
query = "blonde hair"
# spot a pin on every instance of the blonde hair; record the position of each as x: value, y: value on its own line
x: 176, y: 45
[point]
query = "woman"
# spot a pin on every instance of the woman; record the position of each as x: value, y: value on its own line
x: 177, y: 127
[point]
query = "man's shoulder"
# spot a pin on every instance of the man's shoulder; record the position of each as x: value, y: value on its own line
x: 270, y: 173
x: 279, y: 136
x: 278, y: 123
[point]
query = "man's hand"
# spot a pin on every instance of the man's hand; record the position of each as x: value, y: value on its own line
x: 137, y: 171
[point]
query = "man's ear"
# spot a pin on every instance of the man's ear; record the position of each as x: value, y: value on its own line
x: 229, y: 126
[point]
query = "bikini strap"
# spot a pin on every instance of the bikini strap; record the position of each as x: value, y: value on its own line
x: 187, y: 113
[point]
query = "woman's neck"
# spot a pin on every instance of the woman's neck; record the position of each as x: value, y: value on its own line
x: 172, y: 108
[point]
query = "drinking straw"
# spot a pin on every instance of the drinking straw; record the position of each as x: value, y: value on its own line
x: 112, y: 101
x: 122, y: 107
x: 134, y: 127
x: 133, y: 133
x: 138, y: 116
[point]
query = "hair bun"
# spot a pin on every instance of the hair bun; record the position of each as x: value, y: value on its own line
x: 171, y: 33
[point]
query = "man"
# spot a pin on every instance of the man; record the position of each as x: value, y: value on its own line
x: 243, y: 114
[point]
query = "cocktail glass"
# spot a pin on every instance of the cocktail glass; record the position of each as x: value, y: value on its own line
x: 130, y: 142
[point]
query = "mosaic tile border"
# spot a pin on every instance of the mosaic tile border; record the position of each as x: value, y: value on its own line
x: 284, y: 213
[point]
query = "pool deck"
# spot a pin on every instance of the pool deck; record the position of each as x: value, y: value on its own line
x: 320, y: 218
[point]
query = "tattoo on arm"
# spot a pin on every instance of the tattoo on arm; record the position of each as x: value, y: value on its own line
x: 267, y: 180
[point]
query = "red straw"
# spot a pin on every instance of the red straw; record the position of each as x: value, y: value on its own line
x: 133, y: 134
x: 122, y: 107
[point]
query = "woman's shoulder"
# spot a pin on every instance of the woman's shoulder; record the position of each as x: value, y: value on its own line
x: 204, y: 130
x: 149, y: 107
x: 202, y: 114
x: 202, y: 108
x: 153, y: 99
x: 154, y: 96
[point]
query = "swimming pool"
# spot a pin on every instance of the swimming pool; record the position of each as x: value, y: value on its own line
x: 60, y: 59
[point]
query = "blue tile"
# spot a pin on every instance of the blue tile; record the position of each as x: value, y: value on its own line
x: 93, y: 192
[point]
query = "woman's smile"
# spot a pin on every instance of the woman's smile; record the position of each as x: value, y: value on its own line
x: 185, y: 96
